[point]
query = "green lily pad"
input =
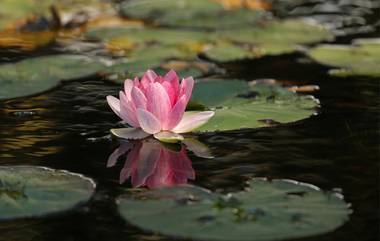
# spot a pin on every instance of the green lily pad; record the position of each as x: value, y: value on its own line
x: 264, y: 106
x: 212, y: 92
x: 190, y: 13
x: 35, y: 75
x: 13, y: 11
x: 30, y: 191
x: 273, y: 38
x: 152, y: 48
x: 276, y: 210
x: 361, y: 58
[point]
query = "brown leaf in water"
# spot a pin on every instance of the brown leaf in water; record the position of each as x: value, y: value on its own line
x: 103, y: 21
x: 250, y: 4
x: 26, y: 40
x: 304, y: 88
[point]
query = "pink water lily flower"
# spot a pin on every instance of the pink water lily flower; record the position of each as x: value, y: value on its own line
x: 155, y: 105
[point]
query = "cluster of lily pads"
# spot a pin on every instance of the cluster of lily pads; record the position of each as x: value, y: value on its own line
x: 266, y: 210
x: 162, y: 35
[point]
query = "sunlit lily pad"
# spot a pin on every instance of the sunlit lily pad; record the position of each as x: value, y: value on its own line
x: 190, y: 13
x: 262, y: 106
x: 361, y: 58
x: 27, y: 191
x: 34, y: 75
x: 276, y: 210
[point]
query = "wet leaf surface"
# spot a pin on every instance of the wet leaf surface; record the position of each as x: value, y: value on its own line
x: 30, y: 191
x: 35, y: 75
x: 236, y: 112
x: 190, y: 13
x: 279, y: 209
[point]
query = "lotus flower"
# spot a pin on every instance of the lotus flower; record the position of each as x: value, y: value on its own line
x: 151, y: 164
x: 156, y: 105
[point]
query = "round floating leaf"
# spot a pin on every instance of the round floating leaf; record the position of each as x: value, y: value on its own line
x: 224, y: 52
x: 27, y: 191
x: 263, y: 106
x: 190, y: 13
x: 34, y: 75
x: 362, y: 58
x: 281, y: 209
x: 212, y: 93
x: 273, y: 38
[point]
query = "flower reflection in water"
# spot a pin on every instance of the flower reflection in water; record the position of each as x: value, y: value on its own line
x: 153, y: 164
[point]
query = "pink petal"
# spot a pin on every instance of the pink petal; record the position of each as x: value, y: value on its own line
x: 148, y: 77
x: 136, y: 82
x: 170, y: 91
x: 175, y: 114
x: 114, y: 103
x: 187, y: 88
x: 158, y: 102
x: 128, y: 84
x: 192, y: 120
x: 128, y: 110
x: 138, y: 98
x: 173, y: 78
x: 148, y: 122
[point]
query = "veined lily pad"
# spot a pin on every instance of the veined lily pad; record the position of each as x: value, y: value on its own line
x: 27, y: 191
x: 276, y: 210
x: 269, y: 105
x: 190, y: 13
x: 361, y: 58
x: 39, y: 74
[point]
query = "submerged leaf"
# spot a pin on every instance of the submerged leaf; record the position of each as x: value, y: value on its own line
x: 27, y: 191
x: 280, y: 209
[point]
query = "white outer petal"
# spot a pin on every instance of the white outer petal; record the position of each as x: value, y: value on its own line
x: 191, y: 120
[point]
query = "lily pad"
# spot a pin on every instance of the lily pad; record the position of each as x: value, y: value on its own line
x: 263, y: 106
x: 276, y: 210
x: 30, y: 191
x: 273, y: 38
x: 35, y: 75
x: 14, y: 12
x: 190, y: 13
x: 212, y: 92
x: 361, y: 58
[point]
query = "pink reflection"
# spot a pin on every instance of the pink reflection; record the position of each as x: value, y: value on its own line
x: 149, y: 163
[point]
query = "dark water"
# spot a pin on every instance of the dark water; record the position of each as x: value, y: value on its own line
x: 68, y: 128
